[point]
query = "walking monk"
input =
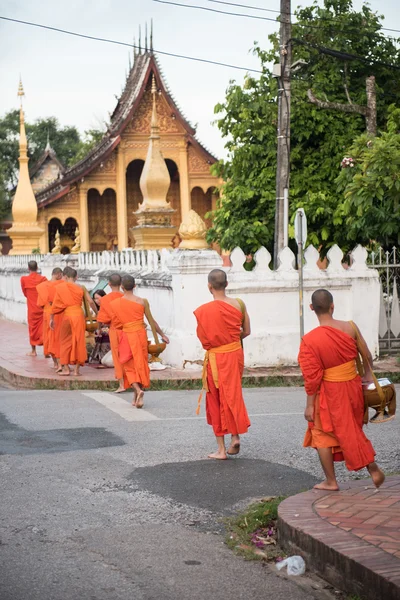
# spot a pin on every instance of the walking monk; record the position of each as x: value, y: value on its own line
x: 221, y: 326
x: 128, y: 316
x: 46, y: 292
x: 104, y: 317
x: 68, y: 301
x: 335, y: 402
x: 35, y: 312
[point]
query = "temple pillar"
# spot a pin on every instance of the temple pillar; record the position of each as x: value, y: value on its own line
x: 184, y: 181
x: 84, y: 220
x: 122, y: 214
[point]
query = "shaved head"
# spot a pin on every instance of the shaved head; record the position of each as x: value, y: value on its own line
x: 32, y: 265
x: 321, y: 301
x: 217, y: 279
x: 57, y: 271
x: 70, y: 273
x: 115, y: 280
x: 128, y: 283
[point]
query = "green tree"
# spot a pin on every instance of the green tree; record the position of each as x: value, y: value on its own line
x: 370, y: 183
x: 247, y: 119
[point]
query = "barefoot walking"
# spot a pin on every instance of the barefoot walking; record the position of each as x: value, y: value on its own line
x: 35, y: 312
x: 221, y: 326
x: 335, y: 402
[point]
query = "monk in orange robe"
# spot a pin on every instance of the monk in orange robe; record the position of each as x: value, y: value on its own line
x: 35, y: 312
x: 221, y: 326
x: 104, y: 317
x: 46, y: 292
x: 128, y: 316
x: 335, y: 402
x: 68, y: 301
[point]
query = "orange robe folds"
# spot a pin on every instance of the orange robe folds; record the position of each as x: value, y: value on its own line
x: 35, y: 312
x: 128, y: 317
x: 68, y: 301
x: 326, y: 359
x: 219, y: 327
x: 46, y: 292
x: 105, y: 316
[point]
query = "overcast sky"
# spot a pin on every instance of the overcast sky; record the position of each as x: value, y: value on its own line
x: 76, y: 80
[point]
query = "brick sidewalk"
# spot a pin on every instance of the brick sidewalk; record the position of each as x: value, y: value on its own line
x: 351, y: 538
x: 35, y: 373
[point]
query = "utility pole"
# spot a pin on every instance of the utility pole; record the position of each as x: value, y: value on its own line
x: 283, y: 132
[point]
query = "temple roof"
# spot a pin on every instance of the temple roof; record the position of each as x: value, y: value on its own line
x: 48, y: 154
x: 143, y: 67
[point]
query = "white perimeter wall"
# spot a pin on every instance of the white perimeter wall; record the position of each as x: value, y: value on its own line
x: 175, y: 283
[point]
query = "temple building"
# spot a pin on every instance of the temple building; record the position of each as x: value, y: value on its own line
x: 101, y: 194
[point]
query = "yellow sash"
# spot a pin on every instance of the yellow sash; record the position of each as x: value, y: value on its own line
x: 133, y: 326
x: 345, y: 372
x: 73, y: 310
x: 212, y: 359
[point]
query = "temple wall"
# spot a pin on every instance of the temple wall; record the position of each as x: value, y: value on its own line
x: 175, y: 283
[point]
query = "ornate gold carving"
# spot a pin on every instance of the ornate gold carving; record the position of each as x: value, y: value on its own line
x: 142, y: 118
x: 77, y: 243
x: 107, y: 166
x: 57, y: 244
x: 197, y: 164
x: 193, y: 232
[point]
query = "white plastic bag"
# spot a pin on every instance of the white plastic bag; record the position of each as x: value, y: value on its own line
x: 295, y: 565
x: 107, y: 360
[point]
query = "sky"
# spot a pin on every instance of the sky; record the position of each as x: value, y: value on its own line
x: 76, y: 80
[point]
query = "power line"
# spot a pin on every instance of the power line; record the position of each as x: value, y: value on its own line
x: 279, y: 12
x: 234, y: 14
x: 215, y: 10
x: 109, y: 41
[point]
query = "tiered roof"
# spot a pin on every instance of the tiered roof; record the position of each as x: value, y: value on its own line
x: 144, y: 66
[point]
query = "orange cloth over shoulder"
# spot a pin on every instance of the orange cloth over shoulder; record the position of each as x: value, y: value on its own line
x: 220, y: 324
x: 68, y: 301
x: 46, y: 292
x: 35, y: 312
x: 339, y: 407
x: 128, y: 317
x: 105, y: 316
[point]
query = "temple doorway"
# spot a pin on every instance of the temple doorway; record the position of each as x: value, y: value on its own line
x: 201, y: 202
x: 67, y: 233
x: 102, y: 215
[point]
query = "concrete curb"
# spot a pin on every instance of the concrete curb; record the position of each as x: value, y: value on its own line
x: 344, y: 560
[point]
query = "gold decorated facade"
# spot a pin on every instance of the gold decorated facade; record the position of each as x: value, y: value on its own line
x: 101, y: 195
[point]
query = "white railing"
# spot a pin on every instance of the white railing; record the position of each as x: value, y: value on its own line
x: 19, y: 260
x: 126, y: 260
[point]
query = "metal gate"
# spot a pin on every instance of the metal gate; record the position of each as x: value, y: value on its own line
x: 387, y: 264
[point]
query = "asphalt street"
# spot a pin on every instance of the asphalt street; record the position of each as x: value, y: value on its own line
x: 102, y: 501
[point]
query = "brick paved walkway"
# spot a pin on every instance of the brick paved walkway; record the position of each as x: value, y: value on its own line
x: 351, y: 537
x: 27, y: 372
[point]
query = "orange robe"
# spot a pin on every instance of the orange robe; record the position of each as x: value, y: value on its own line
x: 46, y: 292
x: 105, y: 316
x: 35, y: 312
x: 339, y: 405
x: 220, y: 324
x: 128, y: 317
x: 68, y: 301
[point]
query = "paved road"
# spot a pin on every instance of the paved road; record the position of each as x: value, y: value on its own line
x: 100, y: 501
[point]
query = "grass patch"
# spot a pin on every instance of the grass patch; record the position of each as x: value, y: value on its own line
x: 253, y: 533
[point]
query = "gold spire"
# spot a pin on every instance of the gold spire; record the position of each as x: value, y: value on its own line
x: 155, y: 179
x: 24, y: 232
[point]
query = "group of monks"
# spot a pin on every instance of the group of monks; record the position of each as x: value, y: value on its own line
x: 335, y: 404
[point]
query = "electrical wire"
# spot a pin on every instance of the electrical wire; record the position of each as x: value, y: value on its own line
x: 109, y: 41
x: 233, y: 14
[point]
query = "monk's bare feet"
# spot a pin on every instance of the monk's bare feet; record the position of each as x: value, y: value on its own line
x: 119, y: 390
x: 32, y: 353
x: 134, y: 398
x: 77, y: 372
x: 139, y: 400
x: 65, y: 372
x: 329, y: 486
x: 220, y: 455
x: 377, y: 475
x: 234, y: 449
